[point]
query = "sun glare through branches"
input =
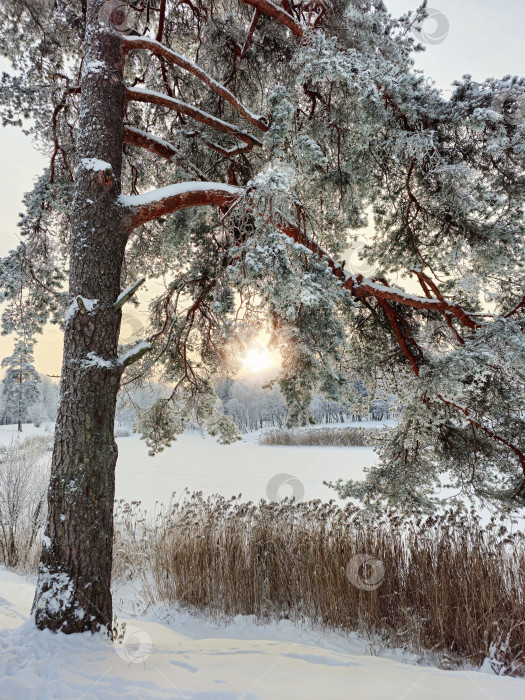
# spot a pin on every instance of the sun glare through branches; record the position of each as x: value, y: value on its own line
x: 259, y: 357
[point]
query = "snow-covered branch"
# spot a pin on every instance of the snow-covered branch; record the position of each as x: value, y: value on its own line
x: 160, y: 147
x: 364, y: 287
x: 131, y: 43
x: 277, y: 13
x: 361, y: 287
x: 128, y: 293
x: 157, y: 98
x: 135, y: 353
x: 167, y: 200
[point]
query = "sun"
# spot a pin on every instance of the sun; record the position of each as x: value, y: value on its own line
x: 257, y: 359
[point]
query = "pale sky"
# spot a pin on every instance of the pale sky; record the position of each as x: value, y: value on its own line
x: 484, y: 38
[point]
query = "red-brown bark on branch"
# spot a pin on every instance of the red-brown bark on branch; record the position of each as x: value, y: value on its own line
x: 251, y: 31
x: 168, y: 200
x: 160, y: 147
x: 277, y: 13
x: 225, y: 195
x: 135, y: 137
x: 400, y: 336
x: 361, y: 287
x: 156, y: 98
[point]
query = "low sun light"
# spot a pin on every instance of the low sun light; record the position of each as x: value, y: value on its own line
x: 257, y: 359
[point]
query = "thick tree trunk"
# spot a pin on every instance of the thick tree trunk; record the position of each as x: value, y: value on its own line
x: 73, y: 592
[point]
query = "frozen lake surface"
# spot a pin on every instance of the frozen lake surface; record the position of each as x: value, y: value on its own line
x: 200, y: 464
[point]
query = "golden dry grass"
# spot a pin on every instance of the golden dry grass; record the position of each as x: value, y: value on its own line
x: 442, y: 585
x: 320, y: 437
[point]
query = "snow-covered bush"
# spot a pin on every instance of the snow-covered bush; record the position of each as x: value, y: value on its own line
x: 24, y: 474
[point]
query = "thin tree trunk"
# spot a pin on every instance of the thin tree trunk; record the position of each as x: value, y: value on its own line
x: 73, y: 592
x: 19, y: 403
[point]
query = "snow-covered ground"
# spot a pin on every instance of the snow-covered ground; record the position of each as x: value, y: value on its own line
x: 200, y: 464
x: 173, y: 655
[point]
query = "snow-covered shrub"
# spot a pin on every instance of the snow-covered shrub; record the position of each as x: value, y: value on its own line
x: 24, y: 475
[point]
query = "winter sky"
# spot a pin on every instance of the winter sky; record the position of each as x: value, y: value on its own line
x: 480, y: 37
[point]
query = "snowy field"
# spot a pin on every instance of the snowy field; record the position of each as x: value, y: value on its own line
x: 176, y: 655
x: 199, y: 463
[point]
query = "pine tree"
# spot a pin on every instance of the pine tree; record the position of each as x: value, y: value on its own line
x: 268, y: 132
x: 20, y: 383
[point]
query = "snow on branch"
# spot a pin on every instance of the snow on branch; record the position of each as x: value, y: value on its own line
x: 167, y: 200
x: 160, y: 147
x: 94, y: 361
x: 82, y: 304
x: 128, y: 293
x: 135, y: 353
x: 154, y: 144
x: 364, y: 287
x: 361, y: 287
x: 157, y: 98
x: 140, y: 42
x: 95, y: 164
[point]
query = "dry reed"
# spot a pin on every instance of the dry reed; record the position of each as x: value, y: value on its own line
x: 320, y: 437
x: 446, y: 586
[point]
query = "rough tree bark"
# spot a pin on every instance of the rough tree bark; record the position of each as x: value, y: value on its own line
x: 73, y: 591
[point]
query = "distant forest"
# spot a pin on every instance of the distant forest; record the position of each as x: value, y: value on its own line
x: 251, y: 402
x: 255, y: 402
